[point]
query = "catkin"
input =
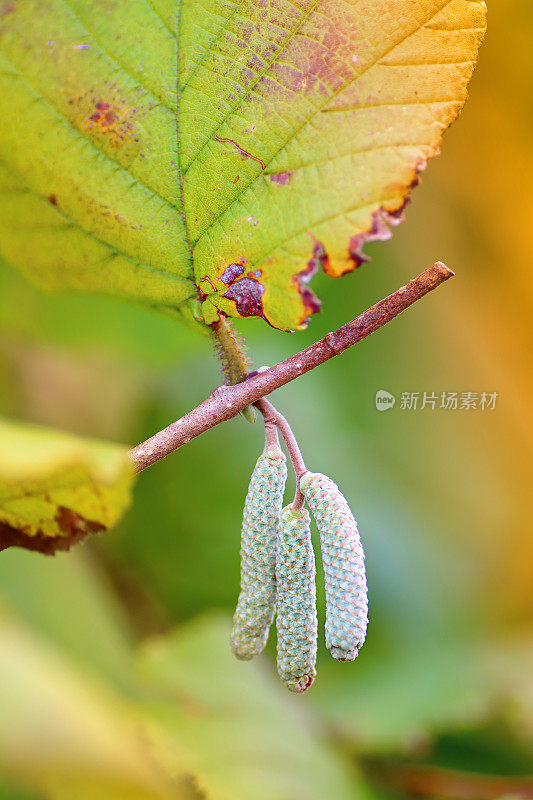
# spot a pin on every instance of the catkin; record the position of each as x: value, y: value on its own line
x: 296, y: 602
x: 260, y: 529
x: 344, y: 566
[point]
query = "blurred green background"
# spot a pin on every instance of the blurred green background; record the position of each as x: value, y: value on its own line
x: 116, y: 680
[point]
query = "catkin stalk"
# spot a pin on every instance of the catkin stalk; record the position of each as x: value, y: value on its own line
x: 296, y: 602
x: 260, y: 529
x: 344, y: 566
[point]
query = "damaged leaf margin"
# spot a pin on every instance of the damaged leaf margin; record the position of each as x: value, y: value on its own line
x: 339, y: 128
x: 55, y: 488
x: 252, y: 292
x: 259, y: 136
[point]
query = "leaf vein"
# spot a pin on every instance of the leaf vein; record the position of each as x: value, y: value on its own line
x: 26, y: 189
x: 260, y: 76
x: 113, y: 57
x: 41, y: 97
x: 220, y: 33
x: 160, y: 17
x: 246, y: 186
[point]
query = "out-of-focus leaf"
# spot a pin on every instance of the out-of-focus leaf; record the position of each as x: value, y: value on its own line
x: 85, y: 786
x: 244, y: 735
x: 67, y: 736
x: 301, y: 128
x: 56, y: 488
x: 199, y: 725
x: 66, y: 600
x: 401, y: 698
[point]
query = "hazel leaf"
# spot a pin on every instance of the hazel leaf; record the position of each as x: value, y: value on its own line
x: 55, y: 488
x: 206, y: 158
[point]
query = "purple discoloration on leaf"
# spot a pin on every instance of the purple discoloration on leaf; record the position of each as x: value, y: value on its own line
x: 231, y: 273
x: 311, y: 302
x: 283, y: 178
x: 319, y: 258
x: 379, y: 232
x: 398, y: 213
x: 247, y: 294
x: 240, y: 149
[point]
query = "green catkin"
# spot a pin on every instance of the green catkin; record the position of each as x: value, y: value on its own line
x: 260, y: 530
x: 344, y: 566
x: 296, y: 601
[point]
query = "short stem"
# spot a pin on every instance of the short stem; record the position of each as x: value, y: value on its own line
x: 232, y: 354
x: 271, y: 434
x: 272, y: 416
x: 231, y: 351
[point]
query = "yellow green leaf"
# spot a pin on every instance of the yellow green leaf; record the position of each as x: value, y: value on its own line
x: 67, y: 601
x: 56, y: 488
x: 67, y: 735
x: 206, y: 158
x: 241, y: 732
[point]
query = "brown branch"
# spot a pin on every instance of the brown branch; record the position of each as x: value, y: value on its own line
x: 227, y: 401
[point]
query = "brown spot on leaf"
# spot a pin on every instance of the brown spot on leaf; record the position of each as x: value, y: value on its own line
x: 110, y: 120
x: 283, y: 178
x: 104, y: 116
x: 52, y: 199
x: 398, y: 213
x: 247, y: 294
x: 71, y: 523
